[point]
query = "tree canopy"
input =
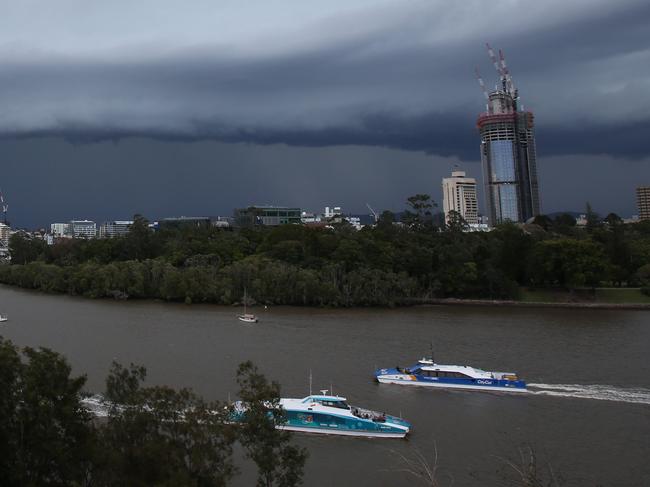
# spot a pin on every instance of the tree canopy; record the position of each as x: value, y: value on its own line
x: 387, y: 264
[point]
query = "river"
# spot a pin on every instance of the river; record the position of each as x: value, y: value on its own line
x: 589, y: 414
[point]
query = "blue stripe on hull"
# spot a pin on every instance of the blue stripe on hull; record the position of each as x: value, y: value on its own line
x: 442, y: 385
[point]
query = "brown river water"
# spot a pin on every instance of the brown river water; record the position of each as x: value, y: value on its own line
x: 588, y: 414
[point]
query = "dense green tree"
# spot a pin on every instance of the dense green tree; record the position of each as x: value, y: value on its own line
x: 593, y: 219
x: 10, y: 377
x: 455, y: 222
x: 569, y: 263
x: 279, y: 462
x: 46, y: 437
x: 543, y: 221
x: 296, y: 264
x: 418, y: 214
x: 24, y: 248
x: 157, y: 436
x: 564, y: 224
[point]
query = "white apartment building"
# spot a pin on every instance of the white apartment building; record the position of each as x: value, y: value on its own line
x: 459, y: 195
x: 331, y: 212
x: 60, y: 229
x: 83, y: 228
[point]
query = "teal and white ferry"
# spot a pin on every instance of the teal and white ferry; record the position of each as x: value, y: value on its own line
x: 332, y: 415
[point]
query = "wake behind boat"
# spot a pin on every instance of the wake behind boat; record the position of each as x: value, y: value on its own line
x: 430, y: 374
x: 331, y: 415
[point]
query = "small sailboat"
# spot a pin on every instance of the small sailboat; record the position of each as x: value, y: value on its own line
x: 247, y: 317
x: 3, y: 318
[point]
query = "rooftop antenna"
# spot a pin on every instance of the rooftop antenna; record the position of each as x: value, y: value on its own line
x: 310, y: 382
x: 431, y: 345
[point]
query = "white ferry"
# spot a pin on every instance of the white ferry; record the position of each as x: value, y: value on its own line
x: 332, y: 415
x: 427, y: 373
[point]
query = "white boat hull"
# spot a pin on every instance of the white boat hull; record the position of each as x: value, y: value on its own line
x: 328, y: 431
x: 247, y: 320
x: 439, y: 385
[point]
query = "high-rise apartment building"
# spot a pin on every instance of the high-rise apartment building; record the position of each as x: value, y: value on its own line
x: 459, y: 195
x: 643, y: 202
x: 508, y: 155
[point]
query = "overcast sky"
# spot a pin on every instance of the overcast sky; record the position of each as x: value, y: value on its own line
x: 174, y: 107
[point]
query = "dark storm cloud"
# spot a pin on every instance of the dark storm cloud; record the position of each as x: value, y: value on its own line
x: 405, y: 83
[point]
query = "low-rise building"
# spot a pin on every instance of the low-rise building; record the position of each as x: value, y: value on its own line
x: 5, y: 233
x: 83, y: 229
x: 267, y: 215
x: 117, y: 228
x: 60, y: 229
x: 185, y: 221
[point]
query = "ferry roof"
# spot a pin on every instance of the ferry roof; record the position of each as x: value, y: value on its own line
x: 323, y: 398
x: 426, y: 364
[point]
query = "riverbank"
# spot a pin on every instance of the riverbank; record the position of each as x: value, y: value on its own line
x: 533, y: 304
x: 598, y: 298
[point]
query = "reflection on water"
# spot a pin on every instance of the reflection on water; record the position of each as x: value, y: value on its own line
x: 588, y: 370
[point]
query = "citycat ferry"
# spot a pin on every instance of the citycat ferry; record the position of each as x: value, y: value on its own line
x: 430, y: 374
x: 332, y: 415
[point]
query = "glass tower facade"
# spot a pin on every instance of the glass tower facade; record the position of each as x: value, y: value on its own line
x: 508, y: 160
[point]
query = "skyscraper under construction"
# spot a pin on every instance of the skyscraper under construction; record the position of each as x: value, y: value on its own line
x: 507, y: 151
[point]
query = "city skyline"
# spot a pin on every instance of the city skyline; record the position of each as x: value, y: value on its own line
x: 37, y: 203
x: 211, y: 109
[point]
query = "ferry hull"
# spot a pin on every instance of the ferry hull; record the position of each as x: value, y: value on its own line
x: 340, y: 432
x: 450, y: 385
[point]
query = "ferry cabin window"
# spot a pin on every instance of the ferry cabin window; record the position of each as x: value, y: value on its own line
x: 335, y: 404
x: 443, y: 374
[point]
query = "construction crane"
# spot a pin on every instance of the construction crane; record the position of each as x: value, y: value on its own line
x: 374, y: 213
x: 495, y: 62
x: 506, y: 74
x: 505, y: 78
x: 482, y: 85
